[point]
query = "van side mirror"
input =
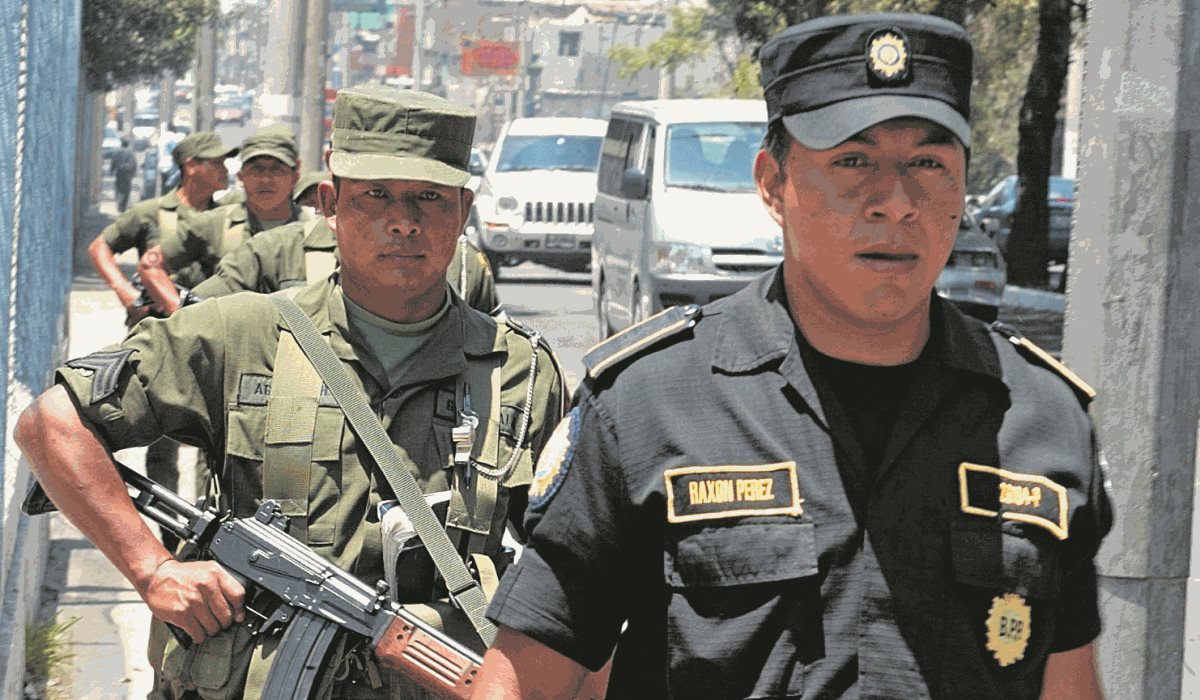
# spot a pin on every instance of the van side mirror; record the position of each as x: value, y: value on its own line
x: 634, y: 184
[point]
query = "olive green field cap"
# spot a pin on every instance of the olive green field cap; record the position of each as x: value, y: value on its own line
x: 311, y: 179
x: 202, y: 144
x: 385, y: 133
x: 276, y: 140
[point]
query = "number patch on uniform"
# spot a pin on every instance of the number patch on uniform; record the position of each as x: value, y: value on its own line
x: 1028, y: 498
x: 715, y: 492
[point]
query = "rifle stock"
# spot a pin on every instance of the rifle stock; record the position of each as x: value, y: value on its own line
x: 318, y: 598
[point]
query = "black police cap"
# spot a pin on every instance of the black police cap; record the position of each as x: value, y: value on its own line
x: 830, y: 78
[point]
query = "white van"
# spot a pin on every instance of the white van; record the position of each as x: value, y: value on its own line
x: 535, y: 199
x: 678, y: 217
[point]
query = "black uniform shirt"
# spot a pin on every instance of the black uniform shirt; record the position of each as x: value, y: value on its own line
x: 696, y: 492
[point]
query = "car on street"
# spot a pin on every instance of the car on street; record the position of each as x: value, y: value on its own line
x: 111, y: 143
x: 537, y: 192
x: 998, y: 207
x: 975, y: 274
x: 678, y: 216
x: 231, y: 110
x: 145, y: 128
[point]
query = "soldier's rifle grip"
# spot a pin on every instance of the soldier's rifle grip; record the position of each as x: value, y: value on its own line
x: 408, y: 648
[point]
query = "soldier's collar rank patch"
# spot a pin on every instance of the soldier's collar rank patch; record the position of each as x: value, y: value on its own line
x: 1008, y: 628
x: 888, y: 56
x: 1027, y: 498
x: 104, y: 368
x: 556, y: 459
x: 716, y: 492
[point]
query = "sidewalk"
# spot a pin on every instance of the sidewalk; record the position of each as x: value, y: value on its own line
x: 109, y: 639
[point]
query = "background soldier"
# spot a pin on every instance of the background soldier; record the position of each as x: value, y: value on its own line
x: 303, y: 253
x: 214, y: 374
x: 304, y: 194
x: 124, y: 166
x: 201, y: 161
x: 270, y: 168
x: 831, y: 483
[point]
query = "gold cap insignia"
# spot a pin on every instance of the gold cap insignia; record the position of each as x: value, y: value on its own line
x: 1008, y: 628
x: 887, y: 56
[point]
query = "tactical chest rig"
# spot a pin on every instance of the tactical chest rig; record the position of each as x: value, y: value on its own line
x: 476, y: 511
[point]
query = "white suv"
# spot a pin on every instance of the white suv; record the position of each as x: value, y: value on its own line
x: 536, y: 198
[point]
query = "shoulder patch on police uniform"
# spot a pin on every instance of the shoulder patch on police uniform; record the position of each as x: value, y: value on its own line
x: 1027, y: 498
x: 105, y: 367
x: 555, y: 460
x: 716, y: 492
x: 635, y: 339
x: 1039, y: 356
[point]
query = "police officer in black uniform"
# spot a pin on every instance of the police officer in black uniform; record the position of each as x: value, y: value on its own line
x: 831, y: 484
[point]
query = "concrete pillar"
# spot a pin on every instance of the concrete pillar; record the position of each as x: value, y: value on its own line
x: 206, y: 78
x: 1133, y: 323
x: 283, y: 63
x: 316, y: 59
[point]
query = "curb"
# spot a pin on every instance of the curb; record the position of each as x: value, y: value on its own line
x: 1037, y: 299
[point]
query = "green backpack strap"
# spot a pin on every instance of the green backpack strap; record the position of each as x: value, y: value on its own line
x: 168, y: 221
x: 291, y: 427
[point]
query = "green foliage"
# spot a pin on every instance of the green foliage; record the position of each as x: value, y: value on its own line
x: 129, y: 41
x: 46, y: 649
x: 687, y: 38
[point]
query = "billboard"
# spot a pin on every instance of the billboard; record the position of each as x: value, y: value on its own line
x: 483, y: 57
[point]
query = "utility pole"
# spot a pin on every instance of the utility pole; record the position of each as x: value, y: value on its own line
x: 206, y: 73
x: 316, y: 58
x: 418, y: 57
x: 1131, y: 331
x: 281, y: 70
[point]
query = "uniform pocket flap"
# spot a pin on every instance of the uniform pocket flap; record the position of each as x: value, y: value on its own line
x: 1004, y: 561
x: 742, y: 554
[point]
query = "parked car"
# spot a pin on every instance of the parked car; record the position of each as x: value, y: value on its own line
x: 536, y: 195
x: 998, y: 206
x: 678, y: 217
x: 111, y: 143
x: 476, y: 166
x: 230, y: 110
x: 145, y: 128
x: 975, y: 274
x: 149, y: 172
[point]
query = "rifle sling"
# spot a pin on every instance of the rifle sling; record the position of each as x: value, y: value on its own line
x: 464, y: 590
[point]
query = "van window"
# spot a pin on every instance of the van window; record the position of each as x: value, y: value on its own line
x: 553, y: 152
x: 716, y: 156
x: 620, y: 152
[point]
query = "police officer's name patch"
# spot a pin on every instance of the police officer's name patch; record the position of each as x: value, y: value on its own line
x: 1027, y: 498
x: 716, y: 492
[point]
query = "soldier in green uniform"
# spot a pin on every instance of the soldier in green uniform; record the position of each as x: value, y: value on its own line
x: 302, y: 253
x: 201, y: 160
x: 270, y: 169
x: 304, y: 194
x: 227, y: 375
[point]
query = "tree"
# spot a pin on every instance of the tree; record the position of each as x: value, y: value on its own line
x: 688, y: 37
x: 127, y: 41
x: 1027, y: 244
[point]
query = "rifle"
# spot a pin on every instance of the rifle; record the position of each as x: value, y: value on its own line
x: 317, y: 600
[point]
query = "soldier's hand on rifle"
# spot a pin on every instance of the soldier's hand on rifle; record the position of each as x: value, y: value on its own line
x: 200, y: 597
